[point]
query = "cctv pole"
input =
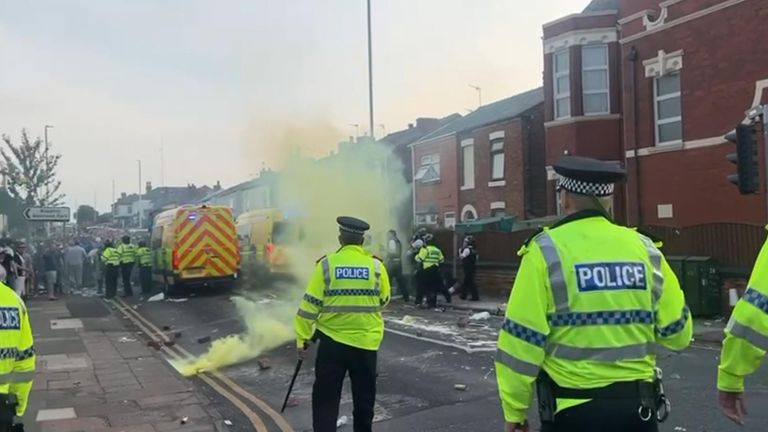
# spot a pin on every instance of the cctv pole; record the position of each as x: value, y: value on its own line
x: 370, y: 72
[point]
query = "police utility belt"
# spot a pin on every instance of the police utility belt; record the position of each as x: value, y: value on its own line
x: 650, y: 395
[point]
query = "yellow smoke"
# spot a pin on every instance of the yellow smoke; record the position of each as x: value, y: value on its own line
x: 361, y: 179
x: 267, y: 327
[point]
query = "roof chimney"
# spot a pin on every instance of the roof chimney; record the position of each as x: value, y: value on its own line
x: 149, y: 187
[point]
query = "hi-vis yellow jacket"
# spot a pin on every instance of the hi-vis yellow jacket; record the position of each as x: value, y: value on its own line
x: 590, y: 303
x: 17, y: 353
x: 746, y: 340
x: 344, y: 299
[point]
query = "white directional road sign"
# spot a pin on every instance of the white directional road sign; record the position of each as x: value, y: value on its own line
x: 47, y: 214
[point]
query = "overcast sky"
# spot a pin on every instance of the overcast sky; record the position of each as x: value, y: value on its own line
x: 223, y: 86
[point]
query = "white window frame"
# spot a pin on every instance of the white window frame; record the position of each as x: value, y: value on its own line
x: 561, y: 74
x: 606, y: 91
x: 428, y: 161
x: 657, y: 99
x: 469, y: 208
x: 493, y: 154
x: 449, y: 220
x: 468, y: 177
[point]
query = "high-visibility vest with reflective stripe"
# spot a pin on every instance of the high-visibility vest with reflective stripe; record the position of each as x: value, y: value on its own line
x: 127, y: 253
x: 746, y: 338
x: 344, y: 299
x: 590, y: 303
x: 430, y: 256
x: 110, y: 257
x: 17, y: 352
x: 144, y: 256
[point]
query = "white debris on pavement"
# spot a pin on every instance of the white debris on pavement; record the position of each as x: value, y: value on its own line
x: 264, y: 301
x: 342, y: 421
x: 480, y: 316
x: 227, y: 422
x: 680, y: 428
x: 423, y: 324
x: 177, y: 300
x: 156, y: 297
x: 126, y: 340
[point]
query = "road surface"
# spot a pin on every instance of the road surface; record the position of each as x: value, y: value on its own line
x: 423, y: 356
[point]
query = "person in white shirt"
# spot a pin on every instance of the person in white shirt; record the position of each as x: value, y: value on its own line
x: 74, y: 260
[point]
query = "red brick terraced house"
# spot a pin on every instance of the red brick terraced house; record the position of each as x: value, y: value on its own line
x: 655, y: 85
x: 488, y: 163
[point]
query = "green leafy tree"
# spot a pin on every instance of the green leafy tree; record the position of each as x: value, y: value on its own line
x: 86, y: 215
x: 30, y: 171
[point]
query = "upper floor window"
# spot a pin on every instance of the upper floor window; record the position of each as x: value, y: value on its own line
x: 561, y: 64
x: 497, y: 160
x: 668, y: 108
x: 468, y: 164
x: 429, y: 171
x: 594, y: 78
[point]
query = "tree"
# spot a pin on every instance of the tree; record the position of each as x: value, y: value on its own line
x: 30, y: 171
x: 86, y: 215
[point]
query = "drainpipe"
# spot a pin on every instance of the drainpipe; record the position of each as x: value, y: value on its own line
x: 413, y: 188
x: 633, y: 56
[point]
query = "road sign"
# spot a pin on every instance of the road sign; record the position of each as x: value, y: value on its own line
x: 47, y: 214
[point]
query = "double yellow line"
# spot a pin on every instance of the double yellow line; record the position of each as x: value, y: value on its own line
x: 216, y: 380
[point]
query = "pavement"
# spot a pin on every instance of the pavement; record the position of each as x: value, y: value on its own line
x: 95, y: 374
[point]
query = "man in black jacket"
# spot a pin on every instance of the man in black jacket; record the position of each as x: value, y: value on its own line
x: 468, y: 256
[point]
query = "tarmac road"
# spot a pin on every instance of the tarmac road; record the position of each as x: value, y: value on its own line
x: 423, y: 356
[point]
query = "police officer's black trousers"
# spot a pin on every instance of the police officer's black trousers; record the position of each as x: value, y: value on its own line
x: 469, y: 287
x: 602, y: 415
x: 434, y: 285
x: 112, y: 274
x: 145, y: 276
x: 127, y: 269
x: 333, y: 362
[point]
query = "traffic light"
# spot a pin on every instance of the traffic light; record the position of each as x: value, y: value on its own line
x: 747, y: 176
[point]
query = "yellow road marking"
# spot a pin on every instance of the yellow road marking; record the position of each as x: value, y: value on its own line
x: 257, y: 423
x: 274, y: 415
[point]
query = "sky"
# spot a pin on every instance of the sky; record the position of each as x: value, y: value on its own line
x: 226, y: 87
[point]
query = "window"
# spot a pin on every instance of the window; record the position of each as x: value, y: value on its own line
x: 561, y: 64
x: 468, y: 213
x: 429, y: 171
x: 498, y: 213
x: 497, y: 160
x: 594, y: 78
x: 669, y: 115
x: 156, y: 238
x: 426, y: 219
x: 468, y: 165
x: 449, y: 219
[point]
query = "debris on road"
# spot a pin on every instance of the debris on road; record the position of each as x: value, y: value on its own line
x: 264, y: 363
x: 264, y: 301
x: 154, y: 344
x: 228, y: 422
x: 170, y: 343
x: 342, y: 421
x: 156, y: 297
x: 462, y: 323
x: 177, y: 335
x: 184, y: 420
x: 125, y: 339
x: 680, y: 428
x: 177, y: 300
x: 460, y: 387
x: 481, y: 316
x: 166, y: 328
x: 674, y: 376
x: 293, y: 402
x: 204, y: 339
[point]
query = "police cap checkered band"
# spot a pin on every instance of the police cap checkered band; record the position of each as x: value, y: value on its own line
x: 585, y: 188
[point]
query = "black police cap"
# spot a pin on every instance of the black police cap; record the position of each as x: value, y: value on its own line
x: 587, y: 176
x: 352, y: 225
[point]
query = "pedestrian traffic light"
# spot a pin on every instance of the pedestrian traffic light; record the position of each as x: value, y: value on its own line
x: 747, y: 168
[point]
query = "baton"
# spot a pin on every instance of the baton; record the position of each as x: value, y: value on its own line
x: 293, y: 381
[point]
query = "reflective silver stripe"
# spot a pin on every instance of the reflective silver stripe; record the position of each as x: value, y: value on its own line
x: 516, y: 364
x: 658, y: 277
x: 555, y: 270
x: 376, y: 274
x: 351, y: 309
x: 750, y: 335
x: 326, y: 272
x: 627, y: 352
x: 16, y: 378
x: 308, y: 315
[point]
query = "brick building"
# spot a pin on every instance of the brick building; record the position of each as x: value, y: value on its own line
x: 655, y: 85
x: 488, y: 163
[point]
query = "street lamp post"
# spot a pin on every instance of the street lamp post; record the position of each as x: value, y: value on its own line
x: 357, y: 130
x: 138, y: 203
x: 479, y: 95
x: 370, y: 72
